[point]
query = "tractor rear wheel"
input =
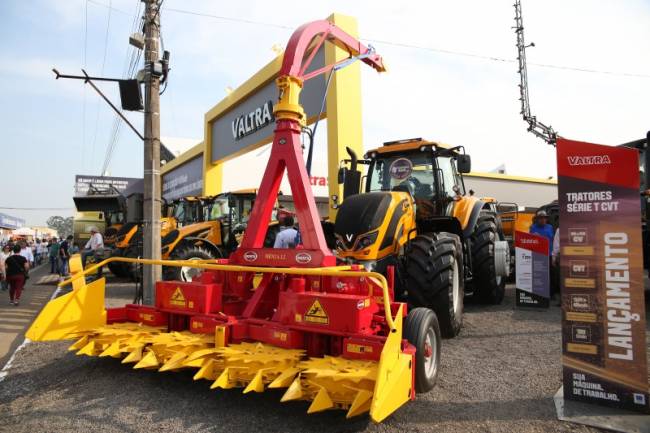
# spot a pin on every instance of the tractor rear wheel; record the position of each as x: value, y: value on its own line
x: 434, y: 275
x: 422, y: 331
x: 187, y: 252
x: 489, y: 287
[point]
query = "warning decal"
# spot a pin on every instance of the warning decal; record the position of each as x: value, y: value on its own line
x: 316, y: 314
x: 177, y: 299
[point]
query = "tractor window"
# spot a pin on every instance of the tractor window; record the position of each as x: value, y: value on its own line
x: 414, y: 173
x: 449, y: 175
x: 218, y: 209
x: 179, y: 212
x: 247, y: 208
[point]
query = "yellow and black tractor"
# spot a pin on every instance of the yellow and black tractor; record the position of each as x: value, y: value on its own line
x: 413, y: 215
x: 208, y: 228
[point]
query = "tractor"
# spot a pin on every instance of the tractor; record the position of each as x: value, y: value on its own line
x: 412, y: 214
x: 209, y: 228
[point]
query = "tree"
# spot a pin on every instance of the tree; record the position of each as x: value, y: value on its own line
x: 63, y: 226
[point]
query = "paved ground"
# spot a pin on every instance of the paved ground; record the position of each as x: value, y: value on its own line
x: 15, y: 320
x: 499, y: 375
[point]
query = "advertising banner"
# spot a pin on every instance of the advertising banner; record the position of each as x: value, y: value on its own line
x: 531, y: 263
x: 184, y: 180
x: 10, y: 222
x: 252, y: 122
x: 82, y: 182
x: 603, y: 309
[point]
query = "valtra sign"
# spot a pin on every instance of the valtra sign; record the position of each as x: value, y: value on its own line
x: 249, y: 123
x: 601, y: 259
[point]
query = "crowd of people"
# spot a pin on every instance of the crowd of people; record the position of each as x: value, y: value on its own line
x: 19, y: 256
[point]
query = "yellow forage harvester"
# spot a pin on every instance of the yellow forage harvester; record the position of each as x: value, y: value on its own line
x: 331, y: 335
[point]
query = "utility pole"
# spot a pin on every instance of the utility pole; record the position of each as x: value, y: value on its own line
x: 539, y: 129
x: 152, y: 196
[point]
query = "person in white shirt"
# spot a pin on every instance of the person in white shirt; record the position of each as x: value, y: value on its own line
x: 26, y: 252
x: 94, y: 247
x: 6, y: 252
x: 286, y: 238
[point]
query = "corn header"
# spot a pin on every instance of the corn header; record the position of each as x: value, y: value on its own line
x: 270, y: 318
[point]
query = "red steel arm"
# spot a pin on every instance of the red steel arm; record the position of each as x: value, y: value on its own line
x: 286, y: 153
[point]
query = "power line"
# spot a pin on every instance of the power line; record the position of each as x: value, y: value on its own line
x: 108, y: 28
x: 35, y: 208
x: 129, y: 71
x: 402, y: 44
x: 109, y: 6
x: 419, y: 47
x: 83, y: 122
x: 231, y: 19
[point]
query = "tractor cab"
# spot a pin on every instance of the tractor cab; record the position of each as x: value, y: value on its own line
x: 430, y: 172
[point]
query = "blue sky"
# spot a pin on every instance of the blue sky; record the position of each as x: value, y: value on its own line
x: 451, y: 98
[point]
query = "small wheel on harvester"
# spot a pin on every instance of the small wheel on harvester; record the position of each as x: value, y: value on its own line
x: 489, y: 287
x: 434, y: 277
x: 189, y: 252
x: 422, y: 331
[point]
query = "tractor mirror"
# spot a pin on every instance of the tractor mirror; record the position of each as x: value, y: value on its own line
x: 464, y: 163
x: 342, y: 174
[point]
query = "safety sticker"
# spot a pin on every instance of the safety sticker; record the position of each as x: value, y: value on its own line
x: 316, y: 314
x: 177, y: 299
x: 359, y: 348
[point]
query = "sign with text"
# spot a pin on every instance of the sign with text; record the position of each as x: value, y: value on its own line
x: 10, y: 222
x: 251, y: 122
x: 184, y: 180
x: 531, y: 263
x: 122, y: 184
x: 603, y: 309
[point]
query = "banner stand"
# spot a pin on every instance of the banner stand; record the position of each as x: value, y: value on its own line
x: 604, y: 346
x: 532, y: 281
x: 599, y: 416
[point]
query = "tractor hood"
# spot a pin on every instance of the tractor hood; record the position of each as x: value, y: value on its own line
x: 359, y: 214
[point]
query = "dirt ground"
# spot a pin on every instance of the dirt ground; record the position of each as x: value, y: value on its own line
x: 498, y: 375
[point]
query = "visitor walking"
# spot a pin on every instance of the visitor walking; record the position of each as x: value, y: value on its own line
x: 17, y: 268
x: 26, y: 252
x: 53, y: 253
x: 64, y: 256
x: 6, y: 252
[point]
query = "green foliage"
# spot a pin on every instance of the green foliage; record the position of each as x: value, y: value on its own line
x: 63, y: 226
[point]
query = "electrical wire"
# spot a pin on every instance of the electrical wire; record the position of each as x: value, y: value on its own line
x: 35, y: 208
x: 419, y: 47
x: 397, y: 44
x: 83, y: 121
x: 108, y: 27
x: 131, y: 62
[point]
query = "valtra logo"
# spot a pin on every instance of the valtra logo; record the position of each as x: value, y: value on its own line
x: 250, y: 256
x: 303, y: 258
x: 589, y: 160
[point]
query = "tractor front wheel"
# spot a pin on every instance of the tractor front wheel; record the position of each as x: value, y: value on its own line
x: 189, y: 252
x: 422, y: 331
x: 434, y: 277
